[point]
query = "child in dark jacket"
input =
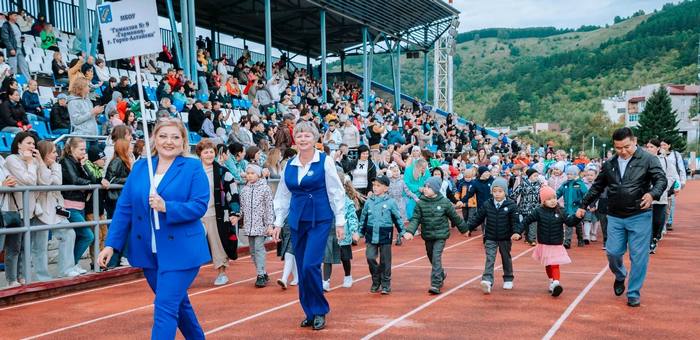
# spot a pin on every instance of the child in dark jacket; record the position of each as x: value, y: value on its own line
x: 379, y: 216
x: 572, y: 191
x: 550, y: 236
x: 481, y: 187
x: 498, y: 216
x: 432, y: 213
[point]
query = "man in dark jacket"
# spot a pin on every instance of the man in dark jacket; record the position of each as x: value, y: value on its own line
x: 499, y: 217
x: 634, y: 179
x: 60, y: 119
x: 196, y: 117
x: 12, y: 39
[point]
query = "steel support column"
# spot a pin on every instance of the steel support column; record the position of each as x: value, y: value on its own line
x: 173, y: 29
x: 365, y: 69
x: 95, y: 33
x: 83, y: 25
x: 185, y: 38
x: 268, y: 40
x: 397, y: 87
x: 324, y: 84
x: 192, y: 21
x: 425, y: 76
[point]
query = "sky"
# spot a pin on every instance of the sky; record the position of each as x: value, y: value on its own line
x: 477, y: 14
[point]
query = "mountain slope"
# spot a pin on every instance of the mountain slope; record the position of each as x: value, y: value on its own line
x: 563, y: 76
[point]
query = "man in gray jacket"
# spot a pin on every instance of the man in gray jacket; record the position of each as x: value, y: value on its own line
x: 12, y: 39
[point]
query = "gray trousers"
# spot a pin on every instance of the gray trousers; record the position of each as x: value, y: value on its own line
x: 380, y: 271
x: 491, y: 247
x: 66, y: 244
x: 433, y: 249
x: 20, y: 61
x: 568, y: 233
x: 257, y: 253
x: 40, y: 253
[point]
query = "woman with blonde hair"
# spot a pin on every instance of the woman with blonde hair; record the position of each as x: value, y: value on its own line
x: 274, y: 163
x: 80, y: 108
x: 172, y: 252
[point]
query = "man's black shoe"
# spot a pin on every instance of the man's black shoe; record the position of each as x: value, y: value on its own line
x: 567, y: 245
x: 306, y: 323
x: 319, y: 322
x: 633, y: 302
x: 619, y: 287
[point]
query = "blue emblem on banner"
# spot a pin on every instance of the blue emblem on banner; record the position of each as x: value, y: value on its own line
x: 105, y: 12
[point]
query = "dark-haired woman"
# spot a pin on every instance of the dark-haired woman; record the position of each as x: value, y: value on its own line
x: 362, y: 171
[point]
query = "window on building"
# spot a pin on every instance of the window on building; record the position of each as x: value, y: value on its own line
x: 634, y: 118
x: 621, y: 110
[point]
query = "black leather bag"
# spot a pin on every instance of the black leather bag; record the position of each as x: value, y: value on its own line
x: 10, y: 219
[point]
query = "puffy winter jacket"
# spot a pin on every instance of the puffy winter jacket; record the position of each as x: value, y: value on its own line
x: 433, y: 214
x: 482, y: 190
x: 498, y: 224
x: 379, y: 215
x: 550, y: 224
x: 573, y: 192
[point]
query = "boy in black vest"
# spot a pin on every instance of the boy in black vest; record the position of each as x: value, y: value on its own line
x: 498, y: 217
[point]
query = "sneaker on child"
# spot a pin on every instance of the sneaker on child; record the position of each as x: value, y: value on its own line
x: 508, y: 285
x: 347, y: 282
x: 486, y: 287
x: 326, y: 285
x: 221, y: 280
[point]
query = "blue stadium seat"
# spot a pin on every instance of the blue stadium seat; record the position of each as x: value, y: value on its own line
x: 236, y: 103
x: 194, y: 138
x: 42, y: 129
x: 6, y: 139
x: 179, y: 105
x: 21, y: 80
x: 203, y: 97
x: 246, y: 104
x: 47, y: 113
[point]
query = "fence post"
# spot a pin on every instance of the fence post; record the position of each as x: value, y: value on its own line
x: 27, y: 238
x: 96, y: 228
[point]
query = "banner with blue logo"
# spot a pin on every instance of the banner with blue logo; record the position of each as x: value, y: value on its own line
x: 129, y: 28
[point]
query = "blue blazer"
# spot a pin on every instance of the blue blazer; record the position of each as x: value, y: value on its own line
x: 180, y: 242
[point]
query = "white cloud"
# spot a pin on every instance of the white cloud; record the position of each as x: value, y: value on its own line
x: 476, y: 14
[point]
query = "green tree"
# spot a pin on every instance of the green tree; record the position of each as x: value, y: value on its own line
x: 658, y: 120
x: 507, y: 108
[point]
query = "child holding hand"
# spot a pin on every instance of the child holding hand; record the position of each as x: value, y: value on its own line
x: 550, y: 250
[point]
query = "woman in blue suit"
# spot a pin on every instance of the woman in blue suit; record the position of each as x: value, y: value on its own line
x: 171, y: 255
x: 311, y: 198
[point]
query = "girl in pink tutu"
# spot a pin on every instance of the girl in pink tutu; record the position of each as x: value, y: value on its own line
x: 550, y: 250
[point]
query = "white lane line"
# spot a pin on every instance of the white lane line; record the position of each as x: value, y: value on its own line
x: 91, y: 290
x: 573, y: 304
x: 432, y: 301
x: 290, y: 303
x: 113, y: 315
x: 515, y: 270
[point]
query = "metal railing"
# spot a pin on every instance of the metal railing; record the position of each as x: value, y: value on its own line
x: 27, y: 228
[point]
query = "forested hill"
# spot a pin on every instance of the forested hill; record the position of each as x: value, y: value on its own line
x: 518, y: 76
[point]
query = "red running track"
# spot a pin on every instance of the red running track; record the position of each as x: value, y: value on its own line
x: 587, y: 308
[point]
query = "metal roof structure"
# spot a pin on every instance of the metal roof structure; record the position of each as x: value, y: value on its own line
x: 296, y: 23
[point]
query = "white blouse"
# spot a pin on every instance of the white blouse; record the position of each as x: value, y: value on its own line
x: 334, y: 188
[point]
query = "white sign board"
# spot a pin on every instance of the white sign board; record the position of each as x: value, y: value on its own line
x: 129, y: 28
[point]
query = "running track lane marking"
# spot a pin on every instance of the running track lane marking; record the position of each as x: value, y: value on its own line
x: 573, y: 304
x: 273, y: 309
x: 432, y: 301
x: 80, y: 324
x: 91, y: 290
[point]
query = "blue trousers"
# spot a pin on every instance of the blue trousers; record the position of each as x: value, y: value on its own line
x: 635, y: 232
x: 309, y: 246
x: 83, y: 236
x: 172, y: 308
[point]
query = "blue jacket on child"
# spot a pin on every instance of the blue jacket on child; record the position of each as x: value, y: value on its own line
x: 573, y: 191
x: 379, y: 216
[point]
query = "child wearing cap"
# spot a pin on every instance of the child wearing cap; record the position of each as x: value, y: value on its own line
x: 482, y: 187
x: 379, y: 216
x: 550, y: 236
x: 572, y: 191
x: 498, y: 217
x: 258, y: 218
x: 527, y: 194
x: 432, y: 213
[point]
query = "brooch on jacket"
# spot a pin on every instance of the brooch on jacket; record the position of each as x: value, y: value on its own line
x: 310, y: 173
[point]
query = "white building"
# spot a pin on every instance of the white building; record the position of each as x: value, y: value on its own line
x: 626, y: 107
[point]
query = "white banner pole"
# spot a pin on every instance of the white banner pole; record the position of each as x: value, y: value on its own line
x: 156, y: 220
